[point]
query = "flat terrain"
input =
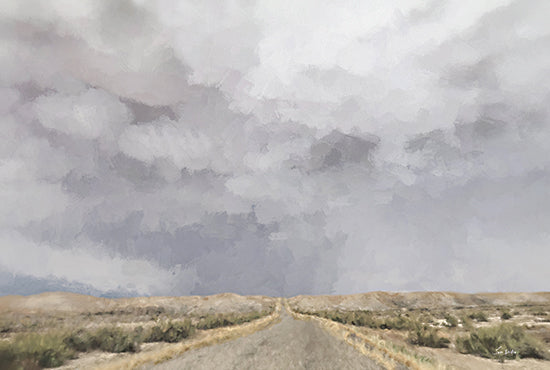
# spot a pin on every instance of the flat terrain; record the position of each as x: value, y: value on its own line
x: 289, y: 344
x: 70, y: 303
x: 406, y: 327
x: 413, y: 323
x: 19, y: 314
x: 78, y: 331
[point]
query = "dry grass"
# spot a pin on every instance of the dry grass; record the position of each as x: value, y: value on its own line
x: 505, y: 341
x: 502, y: 332
x: 34, y: 336
x: 204, y: 338
x: 380, y: 325
x: 372, y: 347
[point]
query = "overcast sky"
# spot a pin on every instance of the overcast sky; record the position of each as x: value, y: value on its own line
x: 274, y: 147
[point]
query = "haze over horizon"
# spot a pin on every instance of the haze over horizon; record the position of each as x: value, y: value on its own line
x: 274, y: 147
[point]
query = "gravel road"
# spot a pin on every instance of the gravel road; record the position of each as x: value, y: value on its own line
x: 289, y: 344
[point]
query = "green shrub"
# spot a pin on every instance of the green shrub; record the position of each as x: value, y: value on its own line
x: 170, y: 331
x: 36, y: 350
x: 213, y: 321
x: 80, y: 340
x: 478, y: 316
x: 368, y: 319
x: 503, y: 341
x: 452, y: 321
x: 398, y: 323
x: 109, y: 339
x: 506, y: 315
x: 357, y: 318
x: 423, y: 335
x: 114, y: 340
x: 220, y: 320
x: 364, y: 318
x: 33, y: 350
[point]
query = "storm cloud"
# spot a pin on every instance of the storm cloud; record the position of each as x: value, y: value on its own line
x: 274, y: 147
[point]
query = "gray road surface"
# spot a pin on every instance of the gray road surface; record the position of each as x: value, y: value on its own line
x: 289, y: 344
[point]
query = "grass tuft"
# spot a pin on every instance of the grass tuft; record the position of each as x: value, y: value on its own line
x: 478, y: 316
x: 505, y: 341
x: 34, y: 351
x: 219, y: 320
x: 506, y: 315
x: 170, y: 331
x: 423, y: 335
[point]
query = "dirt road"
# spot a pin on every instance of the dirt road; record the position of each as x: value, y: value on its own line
x: 289, y: 344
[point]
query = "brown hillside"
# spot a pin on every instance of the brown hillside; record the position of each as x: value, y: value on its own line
x: 388, y: 300
x: 78, y: 303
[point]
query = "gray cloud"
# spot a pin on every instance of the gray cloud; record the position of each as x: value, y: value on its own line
x: 169, y: 147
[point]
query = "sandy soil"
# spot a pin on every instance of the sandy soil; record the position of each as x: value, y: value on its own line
x: 289, y: 344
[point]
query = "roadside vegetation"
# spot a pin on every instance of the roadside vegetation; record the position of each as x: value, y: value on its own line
x: 505, y: 341
x: 47, y: 346
x: 424, y: 335
x: 419, y: 332
x: 34, y: 351
x: 169, y: 331
x: 499, y: 333
x: 219, y: 320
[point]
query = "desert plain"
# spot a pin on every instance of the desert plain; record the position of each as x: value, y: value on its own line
x: 376, y: 330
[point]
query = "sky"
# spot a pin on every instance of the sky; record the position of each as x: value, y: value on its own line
x: 274, y: 147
